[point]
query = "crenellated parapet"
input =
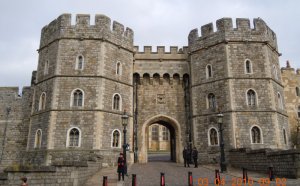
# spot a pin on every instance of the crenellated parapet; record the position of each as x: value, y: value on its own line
x: 62, y: 28
x: 227, y: 33
x: 290, y: 70
x: 161, y: 54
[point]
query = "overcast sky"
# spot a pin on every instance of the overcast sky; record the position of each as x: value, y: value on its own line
x: 155, y: 22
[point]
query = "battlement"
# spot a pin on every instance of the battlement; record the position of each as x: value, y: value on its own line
x: 161, y: 53
x: 9, y: 92
x: 101, y: 29
x: 161, y: 50
x: 289, y: 70
x: 226, y: 32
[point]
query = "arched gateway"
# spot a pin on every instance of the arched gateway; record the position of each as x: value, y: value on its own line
x: 175, y: 137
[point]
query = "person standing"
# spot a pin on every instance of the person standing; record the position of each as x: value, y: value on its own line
x: 195, y: 156
x: 24, y: 181
x: 121, y: 167
x: 186, y: 154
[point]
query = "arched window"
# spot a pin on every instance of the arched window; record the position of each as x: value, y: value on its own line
x: 154, y: 132
x: 248, y: 67
x: 42, y: 102
x: 77, y: 98
x: 284, y: 136
x: 297, y: 92
x: 213, y: 138
x: 279, y: 101
x: 116, y: 138
x: 79, y: 63
x: 208, y: 71
x: 255, y: 135
x: 46, y: 68
x: 116, y: 102
x: 73, y: 138
x: 38, y: 139
x: 118, y: 68
x: 165, y: 133
x: 211, y: 100
x: 251, y: 97
x: 298, y: 111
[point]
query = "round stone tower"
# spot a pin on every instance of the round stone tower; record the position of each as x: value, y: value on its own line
x: 83, y: 85
x: 239, y: 77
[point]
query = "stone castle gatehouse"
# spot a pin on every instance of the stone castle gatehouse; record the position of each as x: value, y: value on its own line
x: 88, y: 74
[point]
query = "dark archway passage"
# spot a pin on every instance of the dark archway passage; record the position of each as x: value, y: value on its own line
x: 161, y: 142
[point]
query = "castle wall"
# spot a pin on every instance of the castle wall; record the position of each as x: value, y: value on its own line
x: 291, y: 80
x: 13, y: 122
x: 171, y: 90
x: 160, y: 90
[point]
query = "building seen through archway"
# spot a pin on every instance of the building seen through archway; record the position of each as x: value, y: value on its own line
x: 159, y: 143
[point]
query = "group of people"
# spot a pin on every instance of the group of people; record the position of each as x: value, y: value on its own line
x: 188, y: 154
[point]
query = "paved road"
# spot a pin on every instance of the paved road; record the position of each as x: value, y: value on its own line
x: 177, y: 175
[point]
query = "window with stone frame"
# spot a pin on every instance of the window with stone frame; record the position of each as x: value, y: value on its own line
x: 211, y: 100
x: 117, y: 102
x: 118, y: 68
x: 42, y: 101
x: 46, y: 67
x: 213, y: 137
x: 297, y: 91
x: 79, y: 62
x: 256, y: 135
x: 284, y: 136
x: 279, y: 101
x: 77, y: 98
x: 251, y: 97
x: 74, y: 137
x: 208, y: 71
x: 165, y: 133
x: 116, y: 140
x: 154, y: 133
x: 248, y: 67
x: 38, y: 139
x: 275, y: 72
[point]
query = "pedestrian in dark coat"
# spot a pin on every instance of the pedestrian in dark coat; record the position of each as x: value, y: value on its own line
x: 24, y: 181
x: 186, y: 157
x: 195, y: 156
x: 121, y: 167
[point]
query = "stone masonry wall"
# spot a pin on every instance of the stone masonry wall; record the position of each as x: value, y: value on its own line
x: 46, y: 175
x: 291, y: 80
x: 161, y: 93
x: 102, y: 49
x: 284, y: 163
x: 13, y: 122
x: 227, y: 51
